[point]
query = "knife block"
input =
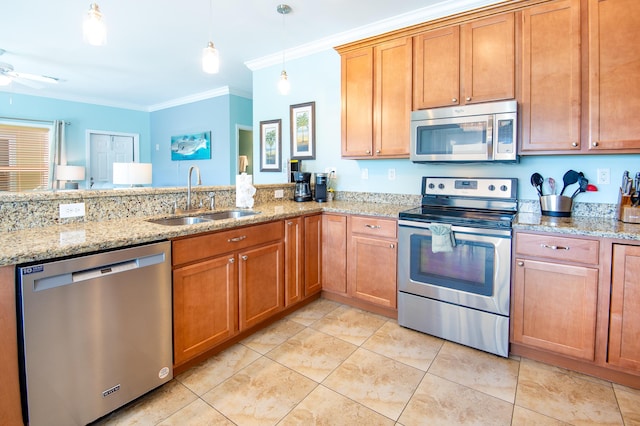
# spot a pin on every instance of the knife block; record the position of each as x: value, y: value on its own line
x: 626, y: 212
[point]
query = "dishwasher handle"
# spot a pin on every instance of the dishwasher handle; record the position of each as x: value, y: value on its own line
x: 54, y: 281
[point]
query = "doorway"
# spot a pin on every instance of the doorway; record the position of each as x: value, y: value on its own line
x: 106, y: 148
x: 245, y: 161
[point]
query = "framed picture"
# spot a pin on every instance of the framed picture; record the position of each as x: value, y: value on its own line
x: 271, y: 146
x: 303, y: 131
x: 195, y: 146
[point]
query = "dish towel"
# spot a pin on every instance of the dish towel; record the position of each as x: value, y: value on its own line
x: 442, y: 239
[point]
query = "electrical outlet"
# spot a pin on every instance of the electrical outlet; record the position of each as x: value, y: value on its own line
x: 71, y: 210
x: 392, y: 174
x: 364, y: 174
x: 604, y: 176
x: 279, y: 193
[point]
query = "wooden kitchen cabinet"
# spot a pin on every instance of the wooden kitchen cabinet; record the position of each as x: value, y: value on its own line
x: 372, y: 264
x: 614, y: 67
x: 294, y: 260
x: 551, y: 78
x: 223, y: 283
x: 10, y: 405
x: 555, y: 294
x: 260, y: 283
x: 312, y: 254
x: 376, y: 100
x: 334, y: 253
x: 624, y: 316
x: 204, y: 306
x: 465, y: 64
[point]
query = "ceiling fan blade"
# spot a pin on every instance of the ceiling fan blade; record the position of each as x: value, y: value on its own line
x: 26, y: 82
x: 33, y: 77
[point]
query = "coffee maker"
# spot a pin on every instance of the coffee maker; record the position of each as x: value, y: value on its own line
x: 321, y: 187
x: 302, y: 191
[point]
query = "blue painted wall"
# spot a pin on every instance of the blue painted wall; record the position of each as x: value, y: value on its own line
x: 83, y: 117
x: 317, y: 78
x: 220, y: 115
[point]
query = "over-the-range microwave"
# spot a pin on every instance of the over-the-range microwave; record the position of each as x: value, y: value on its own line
x: 467, y: 133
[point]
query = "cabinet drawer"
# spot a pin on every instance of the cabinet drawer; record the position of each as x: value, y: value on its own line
x: 558, y: 248
x: 373, y: 226
x: 209, y: 245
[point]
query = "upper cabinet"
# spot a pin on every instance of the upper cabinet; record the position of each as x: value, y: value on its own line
x: 550, y: 75
x: 376, y: 100
x: 614, y: 70
x: 465, y: 64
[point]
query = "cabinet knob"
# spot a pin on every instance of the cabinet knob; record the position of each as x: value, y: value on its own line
x: 245, y: 257
x: 574, y: 144
x: 468, y: 98
x: 367, y: 152
x: 232, y: 260
x: 520, y: 263
x: 594, y: 143
x: 289, y: 223
x: 454, y: 100
x: 392, y: 245
x: 377, y: 151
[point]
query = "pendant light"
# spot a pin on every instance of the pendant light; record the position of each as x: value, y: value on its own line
x: 93, y: 28
x: 283, y: 84
x: 210, y: 57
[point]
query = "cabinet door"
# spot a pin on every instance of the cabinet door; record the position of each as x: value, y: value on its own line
x: 555, y: 307
x: 293, y: 260
x: 614, y: 67
x: 334, y: 253
x: 260, y: 283
x: 372, y: 270
x: 624, y: 320
x: 357, y: 103
x: 10, y: 390
x: 312, y: 254
x: 204, y: 306
x: 392, y: 106
x: 551, y: 77
x: 488, y: 59
x: 436, y: 68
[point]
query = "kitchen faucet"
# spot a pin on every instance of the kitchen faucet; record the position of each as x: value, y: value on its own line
x: 199, y: 182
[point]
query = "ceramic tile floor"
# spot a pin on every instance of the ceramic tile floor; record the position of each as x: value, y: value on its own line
x: 330, y: 364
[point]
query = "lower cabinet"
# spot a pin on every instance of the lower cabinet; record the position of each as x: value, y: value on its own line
x: 10, y: 406
x: 360, y: 261
x: 312, y: 254
x: 624, y: 315
x: 294, y: 274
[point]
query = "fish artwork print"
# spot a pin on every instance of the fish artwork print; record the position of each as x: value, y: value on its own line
x: 195, y: 146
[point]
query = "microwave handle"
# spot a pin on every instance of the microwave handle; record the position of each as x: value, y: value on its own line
x: 490, y: 137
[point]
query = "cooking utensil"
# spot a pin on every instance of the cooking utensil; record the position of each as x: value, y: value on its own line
x: 537, y: 180
x: 592, y: 188
x: 552, y: 185
x: 569, y: 178
x: 625, y: 178
x: 583, y: 182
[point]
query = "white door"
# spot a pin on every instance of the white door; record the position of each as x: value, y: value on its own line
x: 106, y: 149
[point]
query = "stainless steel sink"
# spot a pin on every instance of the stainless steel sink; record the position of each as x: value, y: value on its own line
x: 228, y: 214
x: 177, y: 221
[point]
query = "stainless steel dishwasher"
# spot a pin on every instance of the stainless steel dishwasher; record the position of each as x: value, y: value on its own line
x: 96, y: 332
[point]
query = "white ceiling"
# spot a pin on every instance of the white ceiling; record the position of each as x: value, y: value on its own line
x: 152, y: 56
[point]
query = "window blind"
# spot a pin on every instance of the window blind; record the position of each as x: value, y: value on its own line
x: 24, y: 157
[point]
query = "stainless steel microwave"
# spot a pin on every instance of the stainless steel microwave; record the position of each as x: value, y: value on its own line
x: 467, y: 133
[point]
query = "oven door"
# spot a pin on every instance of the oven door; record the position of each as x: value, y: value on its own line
x: 476, y: 274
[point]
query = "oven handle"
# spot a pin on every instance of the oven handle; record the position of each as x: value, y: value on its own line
x: 463, y: 229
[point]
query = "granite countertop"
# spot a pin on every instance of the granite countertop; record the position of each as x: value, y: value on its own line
x: 36, y: 244
x: 578, y: 225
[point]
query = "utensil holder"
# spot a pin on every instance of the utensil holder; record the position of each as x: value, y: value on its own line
x: 626, y: 212
x: 556, y: 205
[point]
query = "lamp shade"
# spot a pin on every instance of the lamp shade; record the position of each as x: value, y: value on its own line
x: 132, y: 173
x: 64, y: 172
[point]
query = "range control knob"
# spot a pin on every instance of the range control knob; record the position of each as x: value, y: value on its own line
x: 504, y: 188
x: 431, y: 186
x: 492, y: 187
x: 441, y: 186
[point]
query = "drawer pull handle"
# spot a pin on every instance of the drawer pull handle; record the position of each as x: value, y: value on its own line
x: 373, y: 226
x: 245, y: 257
x: 555, y: 247
x: 236, y: 239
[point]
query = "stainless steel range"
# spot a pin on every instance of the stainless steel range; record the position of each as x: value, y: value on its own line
x: 454, y: 261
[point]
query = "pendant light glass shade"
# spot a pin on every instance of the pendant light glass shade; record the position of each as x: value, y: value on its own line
x: 210, y: 59
x: 93, y: 28
x: 283, y: 84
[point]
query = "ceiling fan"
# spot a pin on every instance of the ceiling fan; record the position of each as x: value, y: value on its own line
x: 9, y: 75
